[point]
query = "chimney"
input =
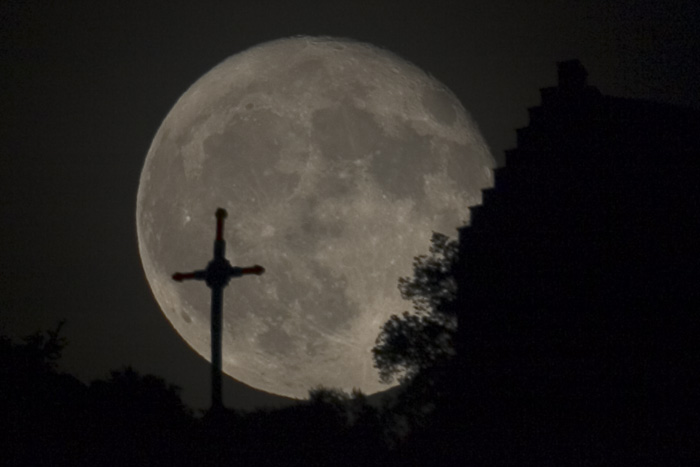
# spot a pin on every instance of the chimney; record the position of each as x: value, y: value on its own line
x: 572, y: 75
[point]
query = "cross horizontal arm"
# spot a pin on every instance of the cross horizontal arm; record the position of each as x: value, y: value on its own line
x: 198, y: 275
x: 257, y: 270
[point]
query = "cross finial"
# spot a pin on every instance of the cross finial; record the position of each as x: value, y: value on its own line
x: 217, y: 276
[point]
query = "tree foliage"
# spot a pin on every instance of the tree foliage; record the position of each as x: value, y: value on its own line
x: 417, y: 340
x: 133, y: 392
x: 40, y: 350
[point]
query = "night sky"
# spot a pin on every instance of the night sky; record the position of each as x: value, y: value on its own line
x: 85, y: 86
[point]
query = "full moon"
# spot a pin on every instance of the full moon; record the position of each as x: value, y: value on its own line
x: 336, y: 160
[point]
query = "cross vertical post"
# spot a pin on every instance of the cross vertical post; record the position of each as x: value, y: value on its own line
x: 217, y: 276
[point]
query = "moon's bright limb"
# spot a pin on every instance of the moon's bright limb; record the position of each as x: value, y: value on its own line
x: 335, y: 160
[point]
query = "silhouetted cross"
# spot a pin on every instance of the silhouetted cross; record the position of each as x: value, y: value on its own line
x: 217, y: 276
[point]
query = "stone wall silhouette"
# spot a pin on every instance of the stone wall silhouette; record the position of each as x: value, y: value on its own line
x: 579, y: 292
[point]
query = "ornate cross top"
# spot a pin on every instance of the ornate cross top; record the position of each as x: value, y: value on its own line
x: 217, y: 276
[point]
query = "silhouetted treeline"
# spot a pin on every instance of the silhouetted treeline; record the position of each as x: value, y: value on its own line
x: 51, y: 418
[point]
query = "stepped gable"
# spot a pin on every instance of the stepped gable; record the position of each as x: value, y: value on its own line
x: 579, y: 275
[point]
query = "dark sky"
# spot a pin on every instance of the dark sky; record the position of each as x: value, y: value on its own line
x: 85, y: 85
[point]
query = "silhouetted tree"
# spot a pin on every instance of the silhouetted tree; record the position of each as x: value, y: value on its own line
x: 136, y: 419
x: 146, y: 394
x: 329, y: 396
x: 418, y: 340
x: 331, y: 428
x: 39, y: 405
x: 356, y: 435
x: 39, y: 351
x: 353, y: 408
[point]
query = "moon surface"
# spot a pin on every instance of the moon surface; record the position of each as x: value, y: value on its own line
x: 336, y: 160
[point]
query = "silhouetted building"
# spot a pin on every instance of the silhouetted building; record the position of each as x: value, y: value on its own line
x: 579, y: 299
